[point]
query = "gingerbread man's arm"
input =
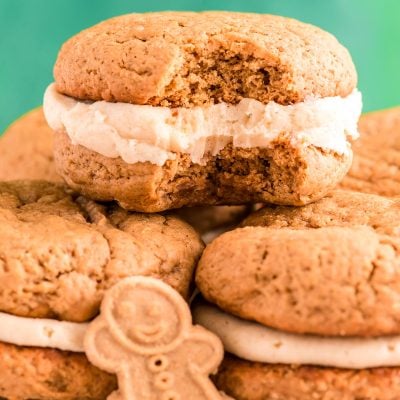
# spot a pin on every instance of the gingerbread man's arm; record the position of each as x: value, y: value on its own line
x: 203, y: 354
x: 205, y: 350
x: 101, y: 348
x: 104, y: 351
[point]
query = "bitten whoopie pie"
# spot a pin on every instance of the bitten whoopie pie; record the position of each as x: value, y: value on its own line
x: 306, y: 301
x: 164, y: 110
x: 59, y: 253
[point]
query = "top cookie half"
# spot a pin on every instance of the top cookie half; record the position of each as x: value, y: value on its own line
x: 183, y: 59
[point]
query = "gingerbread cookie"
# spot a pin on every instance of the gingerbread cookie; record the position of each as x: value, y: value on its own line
x: 144, y: 334
x: 249, y: 380
x: 59, y: 253
x: 26, y: 149
x: 315, y: 286
x: 164, y: 110
x: 376, y: 164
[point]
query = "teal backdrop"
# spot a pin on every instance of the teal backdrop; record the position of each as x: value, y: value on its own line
x: 31, y: 32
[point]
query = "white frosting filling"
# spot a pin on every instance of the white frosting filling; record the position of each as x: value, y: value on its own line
x: 39, y: 332
x: 255, y: 342
x: 245, y: 339
x: 140, y: 133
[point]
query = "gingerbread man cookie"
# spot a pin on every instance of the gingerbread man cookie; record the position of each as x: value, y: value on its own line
x: 145, y: 336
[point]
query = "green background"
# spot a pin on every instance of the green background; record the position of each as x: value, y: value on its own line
x: 31, y: 32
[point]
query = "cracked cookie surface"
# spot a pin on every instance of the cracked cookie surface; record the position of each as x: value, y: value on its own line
x: 331, y: 266
x: 59, y: 251
x: 185, y: 59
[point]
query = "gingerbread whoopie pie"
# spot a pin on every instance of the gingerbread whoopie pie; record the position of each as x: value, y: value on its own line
x: 164, y: 110
x: 59, y: 254
x: 306, y: 300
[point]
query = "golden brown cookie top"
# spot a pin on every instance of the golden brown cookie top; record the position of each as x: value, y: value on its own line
x: 59, y: 251
x: 26, y: 149
x: 339, y: 208
x: 328, y: 268
x: 185, y: 59
x: 376, y: 163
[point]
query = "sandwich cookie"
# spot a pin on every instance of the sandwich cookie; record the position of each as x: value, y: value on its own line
x: 376, y: 164
x: 26, y: 149
x: 59, y: 254
x: 163, y: 110
x: 306, y: 300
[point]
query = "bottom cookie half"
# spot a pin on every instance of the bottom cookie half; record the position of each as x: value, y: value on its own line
x: 245, y: 380
x: 41, y: 373
x: 281, y: 174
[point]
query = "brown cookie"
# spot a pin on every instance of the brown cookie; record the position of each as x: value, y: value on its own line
x: 42, y: 373
x: 181, y: 58
x: 376, y: 164
x: 245, y: 380
x: 59, y: 252
x: 26, y: 149
x: 184, y: 64
x: 329, y: 269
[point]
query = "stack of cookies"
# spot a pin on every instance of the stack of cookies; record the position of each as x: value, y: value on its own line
x: 165, y: 130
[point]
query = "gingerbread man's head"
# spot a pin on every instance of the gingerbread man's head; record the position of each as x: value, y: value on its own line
x: 145, y: 319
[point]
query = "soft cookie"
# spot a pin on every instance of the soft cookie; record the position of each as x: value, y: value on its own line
x: 308, y: 300
x: 376, y: 164
x: 145, y: 335
x: 26, y: 149
x: 59, y: 253
x: 163, y: 110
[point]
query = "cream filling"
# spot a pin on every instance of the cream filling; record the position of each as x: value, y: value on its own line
x: 255, y: 342
x: 140, y: 133
x: 40, y: 332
